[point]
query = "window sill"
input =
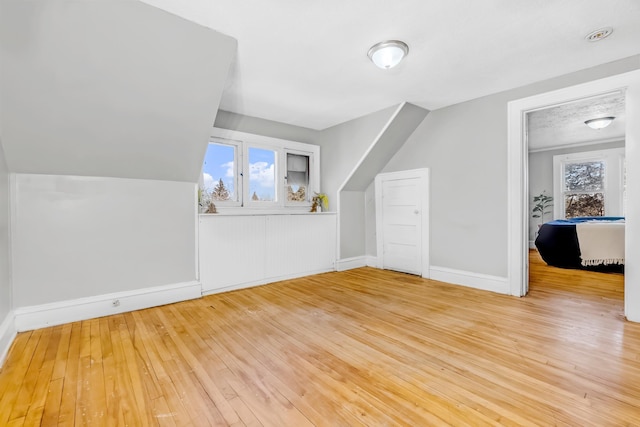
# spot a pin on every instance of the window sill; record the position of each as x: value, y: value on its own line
x: 255, y: 212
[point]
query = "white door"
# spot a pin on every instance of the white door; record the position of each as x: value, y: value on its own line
x: 402, y: 221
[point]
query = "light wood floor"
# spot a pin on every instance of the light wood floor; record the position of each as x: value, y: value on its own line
x: 363, y: 347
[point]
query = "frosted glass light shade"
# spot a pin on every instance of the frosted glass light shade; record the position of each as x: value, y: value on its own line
x: 388, y: 54
x: 599, y: 123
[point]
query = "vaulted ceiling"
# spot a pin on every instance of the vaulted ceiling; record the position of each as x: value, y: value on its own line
x: 305, y: 63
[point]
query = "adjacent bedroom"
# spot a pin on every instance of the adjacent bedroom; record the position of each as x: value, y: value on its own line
x: 577, y: 193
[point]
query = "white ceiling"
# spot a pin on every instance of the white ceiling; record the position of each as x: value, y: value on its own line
x: 564, y: 125
x: 305, y: 63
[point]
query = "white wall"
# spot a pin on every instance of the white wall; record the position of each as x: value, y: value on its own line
x: 352, y: 224
x: 258, y: 126
x: 344, y: 145
x: 76, y: 237
x: 7, y: 322
x: 465, y: 147
x: 370, y: 220
x: 108, y: 88
x: 541, y: 175
x: 5, y: 260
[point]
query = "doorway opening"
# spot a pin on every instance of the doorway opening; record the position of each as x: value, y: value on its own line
x: 518, y: 202
x: 575, y: 171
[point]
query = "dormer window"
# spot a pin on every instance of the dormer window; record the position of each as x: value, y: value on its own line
x: 243, y: 170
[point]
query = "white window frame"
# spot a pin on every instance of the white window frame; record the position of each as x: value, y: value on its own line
x: 613, y: 197
x: 314, y: 176
x: 243, y: 141
x: 237, y: 169
x: 248, y: 202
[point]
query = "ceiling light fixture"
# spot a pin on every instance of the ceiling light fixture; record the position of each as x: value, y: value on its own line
x: 598, y: 35
x: 388, y: 54
x: 599, y: 123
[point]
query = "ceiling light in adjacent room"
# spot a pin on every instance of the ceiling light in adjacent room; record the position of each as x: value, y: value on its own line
x: 388, y: 54
x: 599, y: 123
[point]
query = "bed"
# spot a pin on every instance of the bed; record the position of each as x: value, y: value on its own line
x: 589, y: 243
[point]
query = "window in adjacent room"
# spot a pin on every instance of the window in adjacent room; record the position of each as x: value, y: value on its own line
x: 584, y: 189
x: 589, y: 184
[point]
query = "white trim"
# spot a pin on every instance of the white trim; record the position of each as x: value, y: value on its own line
x: 423, y: 174
x: 243, y: 141
x: 580, y: 144
x: 484, y: 282
x: 532, y: 244
x: 517, y: 201
x: 8, y: 333
x: 237, y: 170
x: 351, y: 263
x: 262, y: 282
x: 372, y: 261
x: 196, y: 229
x: 57, y: 313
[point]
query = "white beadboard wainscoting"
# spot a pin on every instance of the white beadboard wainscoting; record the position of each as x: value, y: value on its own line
x: 238, y: 251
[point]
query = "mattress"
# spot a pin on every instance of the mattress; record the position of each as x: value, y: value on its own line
x: 558, y: 244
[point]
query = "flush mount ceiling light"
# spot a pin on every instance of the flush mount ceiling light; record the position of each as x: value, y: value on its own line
x: 599, y: 123
x: 598, y: 35
x: 388, y: 54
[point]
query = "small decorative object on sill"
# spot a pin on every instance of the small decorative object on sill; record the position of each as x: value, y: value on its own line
x: 211, y: 208
x: 319, y: 202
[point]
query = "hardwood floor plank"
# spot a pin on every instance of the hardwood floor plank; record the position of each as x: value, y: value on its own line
x: 41, y: 388
x: 70, y: 386
x: 51, y: 411
x: 360, y: 347
x: 13, y: 370
x: 27, y: 387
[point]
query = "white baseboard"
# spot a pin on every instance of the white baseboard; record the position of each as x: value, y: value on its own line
x: 372, y: 261
x: 532, y: 244
x: 263, y: 282
x: 57, y: 313
x: 7, y: 335
x: 473, y: 280
x: 351, y: 263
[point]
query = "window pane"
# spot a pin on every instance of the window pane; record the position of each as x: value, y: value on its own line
x: 587, y: 176
x: 262, y: 176
x: 584, y: 205
x: 297, y: 177
x: 218, y: 172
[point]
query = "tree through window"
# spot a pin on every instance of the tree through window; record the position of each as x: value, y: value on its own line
x: 584, y: 189
x: 589, y: 183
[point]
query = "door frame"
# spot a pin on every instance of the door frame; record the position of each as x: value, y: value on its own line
x: 423, y: 176
x: 518, y: 182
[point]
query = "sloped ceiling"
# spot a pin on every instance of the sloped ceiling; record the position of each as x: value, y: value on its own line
x: 391, y: 138
x: 117, y: 89
x: 305, y: 62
